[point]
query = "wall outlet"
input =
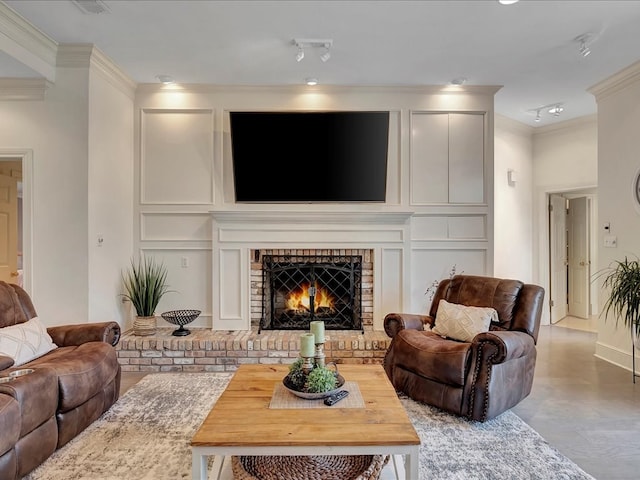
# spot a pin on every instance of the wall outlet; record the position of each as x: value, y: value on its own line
x: 610, y: 241
x: 184, y: 262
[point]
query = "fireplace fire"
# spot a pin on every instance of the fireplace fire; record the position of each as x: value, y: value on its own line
x: 298, y: 289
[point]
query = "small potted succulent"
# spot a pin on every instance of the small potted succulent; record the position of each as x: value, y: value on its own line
x: 320, y: 382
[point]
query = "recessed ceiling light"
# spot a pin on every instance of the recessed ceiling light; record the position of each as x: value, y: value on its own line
x: 311, y: 81
x: 165, y: 79
x: 507, y: 2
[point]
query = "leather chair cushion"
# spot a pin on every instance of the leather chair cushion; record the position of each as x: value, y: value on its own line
x: 37, y: 397
x: 9, y: 423
x: 431, y: 356
x: 82, y: 371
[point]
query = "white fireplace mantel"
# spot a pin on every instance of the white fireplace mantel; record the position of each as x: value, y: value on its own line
x: 311, y: 217
x: 237, y: 232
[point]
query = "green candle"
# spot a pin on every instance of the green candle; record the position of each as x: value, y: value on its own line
x: 317, y: 328
x: 307, y: 345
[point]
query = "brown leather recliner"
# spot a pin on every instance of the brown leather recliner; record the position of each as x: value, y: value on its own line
x: 69, y: 387
x: 478, y: 379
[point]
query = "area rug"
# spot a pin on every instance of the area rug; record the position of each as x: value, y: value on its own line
x: 146, y: 434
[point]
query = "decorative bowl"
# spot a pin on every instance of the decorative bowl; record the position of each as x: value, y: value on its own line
x: 180, y: 317
x: 313, y: 395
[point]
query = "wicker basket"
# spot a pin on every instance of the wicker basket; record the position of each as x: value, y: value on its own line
x: 316, y: 467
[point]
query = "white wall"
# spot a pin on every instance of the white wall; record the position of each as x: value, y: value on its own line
x: 565, y: 158
x: 110, y: 201
x: 513, y: 212
x: 618, y: 99
x: 79, y: 140
x: 55, y: 130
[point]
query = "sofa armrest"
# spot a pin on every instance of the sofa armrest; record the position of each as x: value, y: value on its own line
x: 5, y: 362
x: 507, y: 345
x: 395, y: 322
x: 73, y: 335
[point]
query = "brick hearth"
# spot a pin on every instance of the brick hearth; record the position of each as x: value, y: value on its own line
x: 217, y: 351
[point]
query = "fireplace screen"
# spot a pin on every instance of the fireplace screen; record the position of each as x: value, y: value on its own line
x: 301, y: 288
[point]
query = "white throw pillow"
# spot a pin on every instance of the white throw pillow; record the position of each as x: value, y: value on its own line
x: 26, y: 341
x: 461, y: 322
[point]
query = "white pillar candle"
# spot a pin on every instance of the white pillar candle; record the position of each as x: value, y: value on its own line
x: 307, y: 345
x: 317, y: 328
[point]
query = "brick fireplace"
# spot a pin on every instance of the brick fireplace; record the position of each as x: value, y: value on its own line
x: 281, y: 281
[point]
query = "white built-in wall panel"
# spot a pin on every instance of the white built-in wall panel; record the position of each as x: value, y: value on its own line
x: 391, y: 280
x: 437, y: 264
x: 447, y: 158
x: 466, y: 158
x: 189, y: 279
x: 429, y: 158
x: 231, y: 280
x: 449, y: 227
x: 176, y: 158
x: 175, y: 226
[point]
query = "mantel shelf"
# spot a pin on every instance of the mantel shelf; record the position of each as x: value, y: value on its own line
x: 311, y: 217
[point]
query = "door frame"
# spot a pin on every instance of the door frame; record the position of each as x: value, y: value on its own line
x: 26, y: 155
x: 541, y: 270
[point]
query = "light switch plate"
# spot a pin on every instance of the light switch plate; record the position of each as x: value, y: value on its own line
x: 610, y: 241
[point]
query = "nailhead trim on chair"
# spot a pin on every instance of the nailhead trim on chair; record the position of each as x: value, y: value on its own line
x: 485, y: 410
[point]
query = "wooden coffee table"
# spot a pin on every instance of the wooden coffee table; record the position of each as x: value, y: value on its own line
x: 241, y: 422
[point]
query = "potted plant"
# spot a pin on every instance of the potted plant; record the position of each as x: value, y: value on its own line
x: 622, y: 279
x: 145, y: 282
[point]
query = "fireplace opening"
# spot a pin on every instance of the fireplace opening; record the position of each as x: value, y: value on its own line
x: 298, y: 289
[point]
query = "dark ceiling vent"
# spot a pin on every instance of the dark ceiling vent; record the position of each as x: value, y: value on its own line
x: 91, y: 7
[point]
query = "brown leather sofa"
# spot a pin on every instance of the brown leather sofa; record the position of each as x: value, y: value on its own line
x: 477, y: 379
x: 69, y: 387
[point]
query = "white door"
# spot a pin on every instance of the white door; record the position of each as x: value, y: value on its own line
x: 8, y: 229
x: 579, y: 264
x: 558, y: 257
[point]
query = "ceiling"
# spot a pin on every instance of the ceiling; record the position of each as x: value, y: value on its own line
x: 529, y: 48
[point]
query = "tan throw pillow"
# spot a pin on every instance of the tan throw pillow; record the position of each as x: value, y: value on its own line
x: 26, y: 341
x: 461, y: 322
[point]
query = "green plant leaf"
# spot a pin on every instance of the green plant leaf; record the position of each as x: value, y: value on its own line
x: 145, y: 283
x: 622, y: 280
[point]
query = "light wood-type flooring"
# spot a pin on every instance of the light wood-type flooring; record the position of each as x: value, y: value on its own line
x: 585, y: 407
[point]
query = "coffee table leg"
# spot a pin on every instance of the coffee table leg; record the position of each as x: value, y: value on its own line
x: 412, y: 460
x: 198, y: 466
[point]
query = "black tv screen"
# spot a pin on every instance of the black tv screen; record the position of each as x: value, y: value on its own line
x: 309, y: 156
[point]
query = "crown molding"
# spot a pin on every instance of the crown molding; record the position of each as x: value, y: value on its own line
x: 511, y: 125
x: 113, y: 73
x: 74, y: 55
x: 23, y: 88
x: 572, y: 124
x: 87, y: 55
x: 26, y: 43
x: 297, y: 88
x: 616, y: 82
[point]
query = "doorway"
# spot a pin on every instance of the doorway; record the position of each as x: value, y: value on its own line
x: 15, y: 240
x: 572, y: 251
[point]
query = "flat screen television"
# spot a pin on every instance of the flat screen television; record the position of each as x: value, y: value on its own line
x: 304, y: 157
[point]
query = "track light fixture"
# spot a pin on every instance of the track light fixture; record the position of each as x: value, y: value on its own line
x: 554, y: 109
x: 307, y: 43
x: 584, y: 40
x: 326, y: 55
